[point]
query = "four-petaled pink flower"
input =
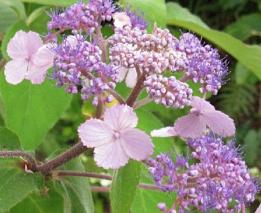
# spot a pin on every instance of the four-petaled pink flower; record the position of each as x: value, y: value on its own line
x: 121, y: 19
x: 30, y: 58
x: 115, y: 139
x: 194, y: 125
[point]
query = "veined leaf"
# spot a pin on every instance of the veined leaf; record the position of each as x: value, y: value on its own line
x: 76, y: 191
x: 32, y: 110
x: 15, y: 186
x: 124, y: 185
x: 154, y: 11
x: 248, y: 55
x: 8, y: 139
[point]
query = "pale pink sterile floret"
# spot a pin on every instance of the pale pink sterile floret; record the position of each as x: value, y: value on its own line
x: 30, y: 58
x: 121, y: 19
x: 115, y: 139
x: 202, y: 116
x: 129, y: 75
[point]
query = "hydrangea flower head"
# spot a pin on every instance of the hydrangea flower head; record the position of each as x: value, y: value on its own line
x: 30, y: 58
x: 201, y: 116
x: 115, y: 139
x: 219, y: 177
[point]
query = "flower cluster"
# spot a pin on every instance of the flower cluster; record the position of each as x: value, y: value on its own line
x: 219, y: 180
x: 168, y: 91
x: 81, y: 16
x: 204, y: 63
x: 78, y: 65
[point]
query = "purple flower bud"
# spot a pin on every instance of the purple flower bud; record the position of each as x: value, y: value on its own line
x: 168, y: 91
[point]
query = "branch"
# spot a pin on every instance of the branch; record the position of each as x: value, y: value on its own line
x: 142, y: 102
x: 63, y: 158
x: 107, y: 189
x: 82, y: 174
x: 116, y: 96
x: 20, y: 154
x: 99, y: 176
x: 136, y: 91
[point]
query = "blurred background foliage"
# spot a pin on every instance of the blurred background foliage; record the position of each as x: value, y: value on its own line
x: 234, y: 26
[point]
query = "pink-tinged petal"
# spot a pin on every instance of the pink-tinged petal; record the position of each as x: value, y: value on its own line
x: 164, y: 132
x: 36, y: 74
x: 220, y: 123
x: 121, y: 19
x: 137, y: 144
x: 15, y: 71
x: 110, y: 156
x: 120, y: 117
x: 17, y: 46
x: 44, y: 57
x: 131, y: 78
x: 24, y: 45
x: 190, y: 126
x: 94, y: 133
x: 258, y: 209
x: 122, y: 73
x: 201, y: 104
x: 34, y: 42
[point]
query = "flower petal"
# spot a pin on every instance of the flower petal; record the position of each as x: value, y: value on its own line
x: 15, y: 71
x: 131, y: 78
x: 122, y: 73
x: 121, y: 19
x: 94, y: 133
x: 110, y: 155
x: 163, y: 132
x: 24, y: 45
x: 201, y: 104
x: 36, y: 74
x: 190, y: 126
x: 137, y: 144
x: 220, y: 123
x: 120, y: 117
x: 44, y: 57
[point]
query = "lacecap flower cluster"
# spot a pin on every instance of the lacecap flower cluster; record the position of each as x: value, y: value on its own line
x: 85, y: 62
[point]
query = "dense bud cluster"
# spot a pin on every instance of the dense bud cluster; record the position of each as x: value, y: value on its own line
x: 168, y: 91
x: 204, y: 63
x: 81, y: 16
x: 78, y: 65
x: 219, y: 180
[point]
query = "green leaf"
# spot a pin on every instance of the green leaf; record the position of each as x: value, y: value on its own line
x: 248, y: 55
x: 251, y: 142
x: 15, y: 186
x: 245, y: 26
x: 124, y: 185
x: 149, y: 122
x: 60, y: 3
x: 17, y: 6
x: 50, y: 202
x: 243, y: 76
x: 147, y: 200
x: 7, y: 17
x: 76, y: 191
x: 36, y: 14
x: 178, y: 12
x: 32, y: 110
x: 8, y: 139
x: 154, y: 11
x: 20, y: 25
